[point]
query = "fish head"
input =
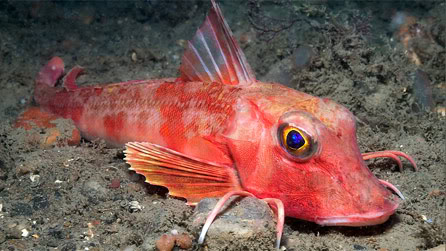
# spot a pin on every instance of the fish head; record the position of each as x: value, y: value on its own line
x: 303, y: 150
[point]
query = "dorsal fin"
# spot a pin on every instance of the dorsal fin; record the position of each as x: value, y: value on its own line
x: 213, y: 55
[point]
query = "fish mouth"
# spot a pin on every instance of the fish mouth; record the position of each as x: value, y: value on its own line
x: 357, y: 220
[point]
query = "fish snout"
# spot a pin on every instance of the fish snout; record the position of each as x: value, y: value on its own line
x: 365, y: 201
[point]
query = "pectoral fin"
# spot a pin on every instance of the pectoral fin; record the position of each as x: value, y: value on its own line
x: 184, y: 176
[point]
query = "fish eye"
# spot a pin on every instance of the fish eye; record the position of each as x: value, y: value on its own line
x: 296, y: 141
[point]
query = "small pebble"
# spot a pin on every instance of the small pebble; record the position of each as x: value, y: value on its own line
x: 25, y: 232
x: 184, y: 241
x: 246, y: 222
x: 134, y: 57
x: 115, y: 183
x: 359, y: 247
x: 165, y: 242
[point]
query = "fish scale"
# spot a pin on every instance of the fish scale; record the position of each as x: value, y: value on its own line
x: 125, y: 113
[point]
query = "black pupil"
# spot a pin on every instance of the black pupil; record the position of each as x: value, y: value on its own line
x: 294, y: 139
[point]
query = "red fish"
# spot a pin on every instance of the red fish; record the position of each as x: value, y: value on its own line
x: 217, y: 131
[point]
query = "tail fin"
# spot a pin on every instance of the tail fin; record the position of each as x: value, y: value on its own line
x: 47, y: 78
x: 51, y: 72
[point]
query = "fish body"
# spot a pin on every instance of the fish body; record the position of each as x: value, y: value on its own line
x: 165, y: 111
x: 217, y: 129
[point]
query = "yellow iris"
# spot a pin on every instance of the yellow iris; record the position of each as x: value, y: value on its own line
x: 295, y: 140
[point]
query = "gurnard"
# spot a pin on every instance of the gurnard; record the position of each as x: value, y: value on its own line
x: 216, y: 131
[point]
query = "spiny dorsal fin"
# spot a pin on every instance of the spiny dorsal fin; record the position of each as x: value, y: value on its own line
x: 213, y: 55
x: 184, y: 176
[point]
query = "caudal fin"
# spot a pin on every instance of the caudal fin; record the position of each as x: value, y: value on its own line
x: 51, y: 72
x: 46, y: 80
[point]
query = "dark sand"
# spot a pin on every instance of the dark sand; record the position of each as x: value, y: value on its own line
x: 70, y: 205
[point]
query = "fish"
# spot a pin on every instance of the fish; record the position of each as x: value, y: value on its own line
x: 217, y: 131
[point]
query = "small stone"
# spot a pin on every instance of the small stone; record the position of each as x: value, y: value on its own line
x: 184, y: 241
x: 246, y: 224
x: 134, y: 57
x: 165, y: 242
x: 25, y: 232
x: 115, y: 183
x: 359, y: 247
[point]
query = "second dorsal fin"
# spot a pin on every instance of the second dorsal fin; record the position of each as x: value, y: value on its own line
x: 213, y: 55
